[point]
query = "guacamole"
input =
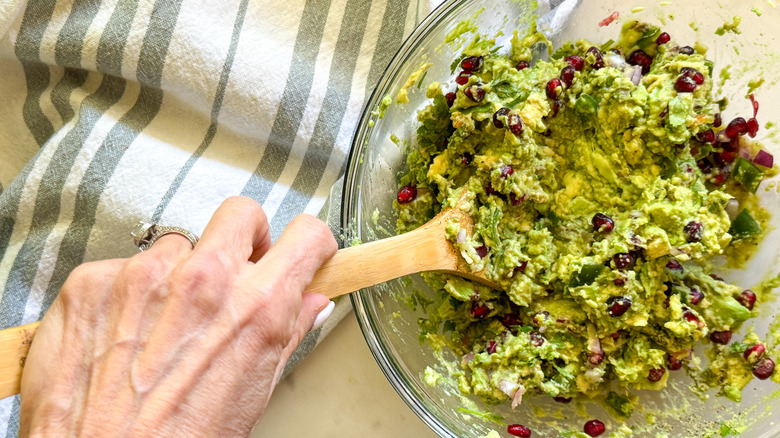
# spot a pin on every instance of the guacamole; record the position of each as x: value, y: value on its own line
x: 603, y: 181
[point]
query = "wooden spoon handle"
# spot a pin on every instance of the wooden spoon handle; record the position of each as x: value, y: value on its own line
x: 349, y: 270
x: 362, y: 266
x: 14, y: 345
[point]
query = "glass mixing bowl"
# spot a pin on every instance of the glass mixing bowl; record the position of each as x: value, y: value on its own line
x: 386, y: 314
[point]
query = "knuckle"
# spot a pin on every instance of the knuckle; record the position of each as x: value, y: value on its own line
x: 243, y: 203
x: 201, y: 281
x: 79, y: 279
x: 319, y: 232
x: 146, y: 265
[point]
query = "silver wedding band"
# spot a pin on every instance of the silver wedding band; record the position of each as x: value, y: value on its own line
x: 146, y: 234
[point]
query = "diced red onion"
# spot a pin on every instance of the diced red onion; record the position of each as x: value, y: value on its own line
x: 636, y: 76
x: 468, y: 357
x: 744, y: 153
x: 461, y: 236
x: 594, y: 345
x: 518, y: 397
x: 732, y: 208
x: 764, y: 158
x: 508, y: 388
x: 614, y: 60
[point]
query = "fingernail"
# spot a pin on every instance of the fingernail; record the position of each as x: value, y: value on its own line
x: 323, y: 315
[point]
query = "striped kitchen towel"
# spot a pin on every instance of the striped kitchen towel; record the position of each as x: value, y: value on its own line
x: 116, y: 111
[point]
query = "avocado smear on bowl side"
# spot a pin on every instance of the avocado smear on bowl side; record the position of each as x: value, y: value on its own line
x: 602, y: 183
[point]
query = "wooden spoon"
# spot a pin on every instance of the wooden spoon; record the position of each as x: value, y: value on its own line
x: 423, y: 249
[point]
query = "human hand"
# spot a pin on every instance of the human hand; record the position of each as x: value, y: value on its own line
x: 176, y: 341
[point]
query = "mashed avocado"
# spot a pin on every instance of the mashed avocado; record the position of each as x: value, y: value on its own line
x: 602, y: 184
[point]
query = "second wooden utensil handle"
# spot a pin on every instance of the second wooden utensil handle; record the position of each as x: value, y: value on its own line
x: 14, y: 345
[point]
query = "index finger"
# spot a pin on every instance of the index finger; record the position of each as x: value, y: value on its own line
x: 301, y: 250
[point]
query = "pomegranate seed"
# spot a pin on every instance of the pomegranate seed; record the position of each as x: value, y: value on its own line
x: 596, y: 359
x: 624, y: 260
x: 407, y: 194
x: 684, y: 84
x: 716, y: 277
x: 522, y: 65
x: 554, y: 88
x: 521, y: 267
x: 475, y: 93
x: 466, y: 159
x: 598, y: 61
x: 675, y: 266
x: 594, y: 428
x: 694, y: 74
x: 602, y: 223
x: 693, y: 231
x: 516, y: 200
x: 707, y: 136
x: 518, y: 430
x: 690, y: 316
x: 562, y: 399
x: 754, y: 102
x: 617, y: 306
x: 490, y: 191
x: 725, y: 157
x: 482, y: 251
x: 506, y: 171
x: 764, y: 369
x: 722, y: 338
x: 479, y: 310
x: 752, y: 127
x: 537, y: 340
x: 575, y: 61
x: 556, y: 107
x: 747, y: 298
x: 695, y: 296
x: 617, y: 334
x: 656, y: 374
x: 463, y: 77
x: 674, y: 363
x: 450, y: 98
x: 663, y: 38
x: 515, y: 124
x: 704, y: 165
x: 722, y: 176
x: 718, y: 121
x: 754, y: 353
x: 686, y: 50
x: 502, y: 112
x: 491, y: 347
x: 640, y: 58
x: 736, y: 127
x: 511, y: 321
x: 567, y: 75
x: 471, y: 63
x: 620, y: 281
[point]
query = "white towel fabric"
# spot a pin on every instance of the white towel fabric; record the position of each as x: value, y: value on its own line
x: 116, y: 111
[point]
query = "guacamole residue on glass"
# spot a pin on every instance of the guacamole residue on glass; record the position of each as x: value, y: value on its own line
x: 606, y: 186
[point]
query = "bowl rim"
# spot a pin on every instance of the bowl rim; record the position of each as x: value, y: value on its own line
x: 398, y: 380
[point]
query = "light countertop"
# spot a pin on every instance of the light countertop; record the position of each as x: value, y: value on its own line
x: 339, y: 391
